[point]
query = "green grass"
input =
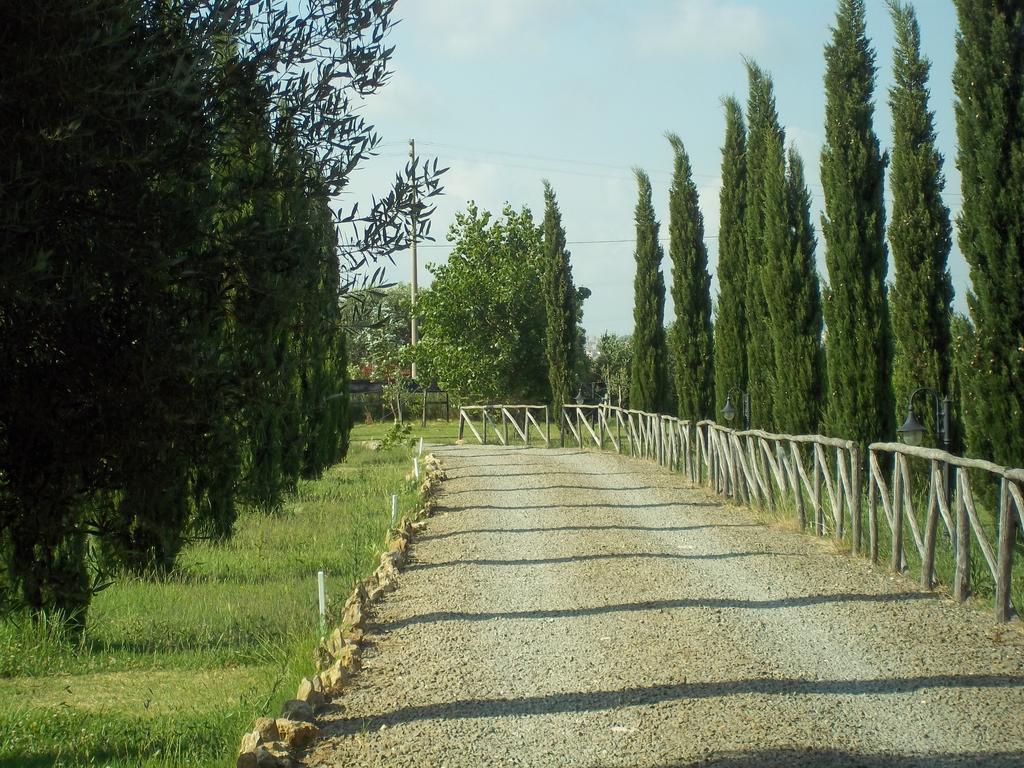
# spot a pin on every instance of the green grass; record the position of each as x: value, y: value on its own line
x: 173, y: 671
x: 436, y: 432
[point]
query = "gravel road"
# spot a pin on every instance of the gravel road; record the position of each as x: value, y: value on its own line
x: 570, y: 608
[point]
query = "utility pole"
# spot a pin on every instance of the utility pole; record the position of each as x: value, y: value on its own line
x: 412, y: 313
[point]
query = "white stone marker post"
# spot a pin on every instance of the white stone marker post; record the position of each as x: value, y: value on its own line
x: 321, y: 584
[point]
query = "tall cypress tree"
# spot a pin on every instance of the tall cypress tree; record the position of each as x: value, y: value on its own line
x: 792, y: 296
x: 988, y: 80
x: 764, y: 140
x: 559, y: 304
x: 919, y: 232
x: 858, y: 346
x: 648, y: 390
x: 691, y: 293
x: 730, y: 352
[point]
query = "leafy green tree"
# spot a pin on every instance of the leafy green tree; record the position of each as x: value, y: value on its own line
x: 691, y: 336
x: 764, y: 140
x: 649, y: 389
x: 792, y: 296
x: 561, y: 332
x: 990, y: 127
x: 613, y: 364
x: 378, y: 320
x: 920, y: 232
x: 858, y: 345
x: 484, y: 315
x: 98, y: 214
x: 730, y: 352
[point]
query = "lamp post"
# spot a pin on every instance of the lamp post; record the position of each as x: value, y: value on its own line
x: 729, y: 410
x: 913, y: 431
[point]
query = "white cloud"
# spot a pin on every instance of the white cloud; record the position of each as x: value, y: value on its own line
x: 403, y: 95
x: 465, y: 28
x: 705, y: 27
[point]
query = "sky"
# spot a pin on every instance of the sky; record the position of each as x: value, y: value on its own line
x: 509, y: 92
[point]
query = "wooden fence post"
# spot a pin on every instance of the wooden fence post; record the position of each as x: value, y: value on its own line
x: 930, y: 526
x: 855, y: 488
x: 962, y: 578
x: 1004, y: 563
x: 897, y: 515
x: 872, y: 510
x: 819, y: 512
x: 840, y: 501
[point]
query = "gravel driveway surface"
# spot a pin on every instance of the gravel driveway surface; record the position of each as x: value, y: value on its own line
x: 570, y: 608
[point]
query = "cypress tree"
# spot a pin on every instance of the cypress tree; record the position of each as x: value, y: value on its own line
x: 919, y: 232
x: 765, y: 138
x: 792, y: 296
x: 648, y: 390
x: 691, y: 293
x: 988, y: 79
x: 730, y: 354
x: 858, y: 347
x: 559, y: 304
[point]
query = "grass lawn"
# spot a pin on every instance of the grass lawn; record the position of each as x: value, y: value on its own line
x: 173, y: 671
x: 435, y: 433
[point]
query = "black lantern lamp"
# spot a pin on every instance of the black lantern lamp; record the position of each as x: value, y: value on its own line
x: 913, y: 431
x: 729, y: 410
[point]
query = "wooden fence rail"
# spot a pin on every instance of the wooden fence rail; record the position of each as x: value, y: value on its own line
x: 523, y: 419
x: 819, y: 478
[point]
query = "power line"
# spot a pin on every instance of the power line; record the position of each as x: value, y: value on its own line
x: 625, y: 171
x: 547, y: 159
x: 577, y: 242
x: 625, y: 174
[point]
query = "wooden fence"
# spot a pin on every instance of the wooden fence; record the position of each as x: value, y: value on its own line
x: 951, y: 500
x: 523, y: 419
x: 653, y: 436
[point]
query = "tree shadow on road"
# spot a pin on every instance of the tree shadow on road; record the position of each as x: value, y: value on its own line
x: 803, y: 601
x: 812, y: 757
x: 520, y: 464
x: 600, y: 556
x: 640, y: 696
x: 578, y: 505
x: 578, y: 488
x: 566, y: 528
x: 497, y: 449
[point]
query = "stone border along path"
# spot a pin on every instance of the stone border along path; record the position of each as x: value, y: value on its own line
x: 571, y: 608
